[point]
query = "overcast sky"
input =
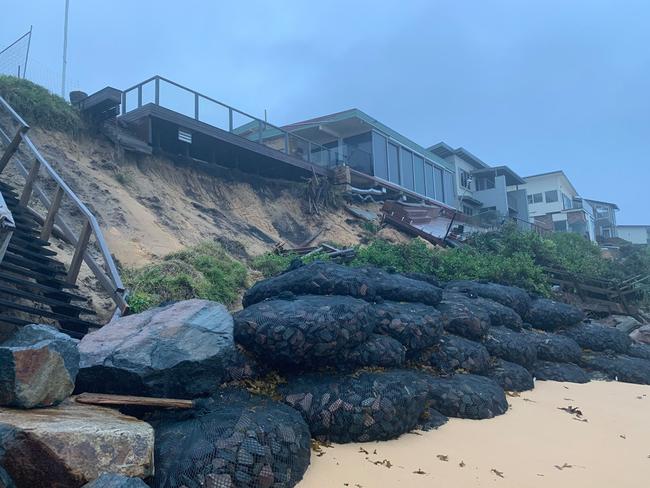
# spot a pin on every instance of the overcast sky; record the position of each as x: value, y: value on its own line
x: 535, y: 85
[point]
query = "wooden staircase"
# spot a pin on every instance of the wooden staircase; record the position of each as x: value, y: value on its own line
x: 34, y: 285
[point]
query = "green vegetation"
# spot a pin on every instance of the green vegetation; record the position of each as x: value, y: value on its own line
x: 203, y: 271
x: 38, y: 106
x: 271, y: 264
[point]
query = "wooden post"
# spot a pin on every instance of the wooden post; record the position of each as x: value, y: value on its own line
x: 12, y: 147
x: 51, y: 214
x: 29, y: 183
x: 77, y: 259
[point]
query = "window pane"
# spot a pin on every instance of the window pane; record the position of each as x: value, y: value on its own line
x: 428, y: 179
x: 379, y: 156
x: 551, y: 196
x: 440, y: 196
x: 418, y: 169
x: 406, y: 160
x: 449, y: 188
x: 537, y: 197
x: 393, y: 164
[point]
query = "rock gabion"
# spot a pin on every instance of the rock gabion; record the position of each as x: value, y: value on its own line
x: 509, y: 296
x: 379, y: 350
x: 112, y: 480
x: 461, y: 320
x: 455, y: 353
x: 498, y: 314
x: 618, y: 367
x: 326, y: 278
x: 72, y: 444
x: 639, y: 351
x: 597, y: 337
x: 368, y: 406
x: 510, y: 376
x: 415, y: 325
x: 551, y: 371
x: 554, y: 347
x: 307, y: 332
x: 511, y: 346
x: 232, y: 439
x: 38, y: 367
x: 549, y: 315
x: 183, y: 350
x: 467, y: 396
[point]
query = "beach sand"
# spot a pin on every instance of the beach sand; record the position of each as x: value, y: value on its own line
x: 535, y: 444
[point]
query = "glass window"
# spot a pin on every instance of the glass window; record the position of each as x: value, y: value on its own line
x: 393, y: 164
x: 529, y: 198
x: 428, y: 179
x: 465, y: 179
x: 566, y: 202
x: 560, y: 225
x: 379, y: 156
x: 467, y: 210
x: 359, y: 150
x: 537, y: 197
x: 449, y: 189
x: 418, y: 170
x: 485, y: 183
x: 406, y: 163
x: 440, y: 196
x: 551, y: 196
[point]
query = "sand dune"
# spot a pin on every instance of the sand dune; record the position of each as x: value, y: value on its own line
x: 536, y: 444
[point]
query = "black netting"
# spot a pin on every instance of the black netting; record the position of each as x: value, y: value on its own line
x: 554, y: 347
x: 415, y: 325
x: 360, y: 407
x: 232, y: 439
x: 598, y: 337
x: 639, y: 351
x: 378, y: 350
x: 511, y: 346
x: 618, y: 367
x: 510, y: 376
x: 498, y: 314
x: 569, y: 372
x: 326, y: 278
x: 510, y: 296
x: 549, y: 315
x: 455, y: 353
x: 464, y: 320
x: 467, y: 396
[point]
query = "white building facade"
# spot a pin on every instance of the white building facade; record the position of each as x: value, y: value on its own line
x: 636, y: 234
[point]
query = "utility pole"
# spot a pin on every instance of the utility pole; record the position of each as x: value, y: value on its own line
x: 65, y: 48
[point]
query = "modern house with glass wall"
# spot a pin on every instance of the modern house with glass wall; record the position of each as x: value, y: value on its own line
x: 604, y: 219
x: 373, y: 149
x: 494, y: 192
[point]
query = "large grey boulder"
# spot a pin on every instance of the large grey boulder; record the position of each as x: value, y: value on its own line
x: 112, y: 480
x: 72, y: 444
x: 38, y: 367
x: 183, y: 350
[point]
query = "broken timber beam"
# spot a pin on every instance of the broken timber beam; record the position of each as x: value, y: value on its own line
x: 119, y: 400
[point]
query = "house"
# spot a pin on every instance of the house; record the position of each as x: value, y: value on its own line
x: 554, y: 204
x: 636, y: 234
x: 482, y: 190
x: 374, y: 150
x: 604, y: 219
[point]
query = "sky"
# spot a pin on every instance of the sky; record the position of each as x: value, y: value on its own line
x: 535, y: 85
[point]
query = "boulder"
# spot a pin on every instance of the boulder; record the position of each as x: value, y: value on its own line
x: 639, y: 351
x: 327, y: 278
x: 455, y: 353
x: 309, y: 332
x: 597, y: 337
x: 361, y: 407
x: 510, y: 296
x: 511, y: 346
x: 510, y: 376
x: 463, y: 320
x: 38, y: 367
x: 112, y: 480
x: 618, y: 367
x: 554, y: 347
x: 467, y: 396
x: 551, y: 371
x: 232, y: 439
x: 497, y: 313
x: 72, y: 444
x: 641, y: 335
x: 182, y: 350
x: 415, y: 325
x: 378, y: 350
x: 550, y: 315
x: 626, y: 323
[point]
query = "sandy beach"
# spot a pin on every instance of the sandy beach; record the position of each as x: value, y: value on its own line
x: 558, y: 435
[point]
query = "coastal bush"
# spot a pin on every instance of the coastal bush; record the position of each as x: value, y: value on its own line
x: 272, y: 264
x: 202, y: 271
x: 38, y: 106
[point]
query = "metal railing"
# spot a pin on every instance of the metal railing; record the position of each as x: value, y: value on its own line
x: 229, y: 119
x: 108, y: 276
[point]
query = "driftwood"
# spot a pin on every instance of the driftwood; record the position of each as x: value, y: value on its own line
x: 103, y: 399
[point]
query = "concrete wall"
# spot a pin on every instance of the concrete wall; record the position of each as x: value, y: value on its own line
x: 517, y: 200
x: 635, y: 234
x: 495, y: 197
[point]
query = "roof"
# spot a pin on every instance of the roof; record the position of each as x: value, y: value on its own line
x: 558, y: 173
x: 613, y: 205
x: 632, y: 225
x: 512, y: 178
x: 444, y: 151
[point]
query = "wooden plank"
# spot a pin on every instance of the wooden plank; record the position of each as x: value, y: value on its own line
x: 12, y: 147
x: 29, y: 184
x: 80, y: 250
x: 105, y: 399
x: 51, y: 214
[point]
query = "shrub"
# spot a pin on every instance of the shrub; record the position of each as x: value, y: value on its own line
x: 202, y: 271
x: 38, y: 106
x: 414, y: 256
x: 271, y: 264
